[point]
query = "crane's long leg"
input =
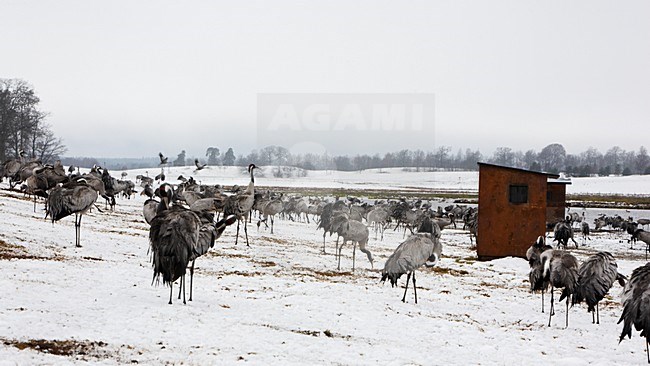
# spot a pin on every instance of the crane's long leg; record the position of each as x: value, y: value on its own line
x: 567, y: 312
x: 593, y: 317
x: 550, y: 314
x: 542, y: 301
x: 191, y: 278
x: 338, y: 253
x: 597, y: 314
x: 77, y: 229
x: 246, y: 232
x: 415, y: 289
x: 171, y: 289
x: 180, y: 287
x: 76, y: 232
x: 408, y: 278
x: 324, y: 233
x: 354, y: 253
x: 237, y: 235
x: 183, y: 277
x: 79, y: 236
x: 272, y: 224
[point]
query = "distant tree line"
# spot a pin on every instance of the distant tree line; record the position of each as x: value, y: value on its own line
x: 111, y: 163
x: 441, y: 158
x: 23, y: 125
x: 553, y: 158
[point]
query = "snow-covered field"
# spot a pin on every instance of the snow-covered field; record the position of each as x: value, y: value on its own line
x: 393, y: 178
x: 280, y: 301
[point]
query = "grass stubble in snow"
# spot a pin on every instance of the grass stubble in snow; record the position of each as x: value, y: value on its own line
x: 279, y: 301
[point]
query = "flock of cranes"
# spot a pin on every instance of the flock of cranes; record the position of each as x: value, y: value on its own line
x: 590, y: 282
x: 186, y: 220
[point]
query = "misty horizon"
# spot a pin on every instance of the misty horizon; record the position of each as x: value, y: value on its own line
x: 128, y: 79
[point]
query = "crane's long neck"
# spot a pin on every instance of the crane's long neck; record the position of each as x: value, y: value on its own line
x: 251, y: 186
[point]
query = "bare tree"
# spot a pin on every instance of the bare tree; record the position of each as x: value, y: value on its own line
x: 22, y: 125
x: 47, y: 147
x: 504, y: 156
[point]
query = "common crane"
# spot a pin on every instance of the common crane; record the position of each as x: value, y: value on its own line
x: 561, y: 269
x: 422, y: 248
x: 536, y: 276
x: 636, y: 296
x: 240, y: 204
x: 596, y: 276
x: 177, y: 236
x: 75, y: 198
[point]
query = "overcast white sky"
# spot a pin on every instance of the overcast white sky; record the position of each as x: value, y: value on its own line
x: 131, y: 78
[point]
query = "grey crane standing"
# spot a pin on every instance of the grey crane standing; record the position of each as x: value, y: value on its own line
x: 423, y: 248
x: 173, y: 235
x: 74, y: 198
x: 43, y: 178
x: 178, y: 236
x: 644, y: 236
x: 330, y: 211
x: 584, y: 230
x: 378, y: 217
x: 324, y: 221
x: 636, y: 296
x: 12, y: 167
x: 240, y: 204
x: 596, y: 276
x: 562, y: 233
x: 269, y: 210
x: 536, y: 276
x: 36, y: 185
x: 351, y: 230
x: 109, y: 186
x: 561, y: 269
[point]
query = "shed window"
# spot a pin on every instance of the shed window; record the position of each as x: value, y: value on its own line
x: 518, y: 193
